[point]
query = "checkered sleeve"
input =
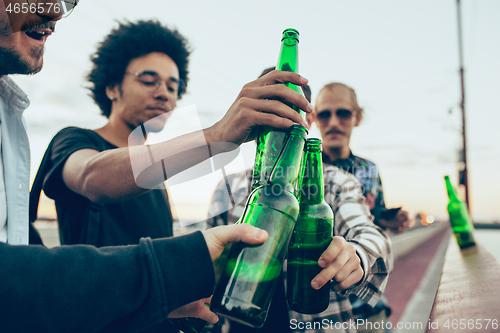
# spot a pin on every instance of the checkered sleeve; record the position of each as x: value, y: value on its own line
x: 218, y: 204
x: 379, y: 199
x: 228, y: 199
x: 354, y: 222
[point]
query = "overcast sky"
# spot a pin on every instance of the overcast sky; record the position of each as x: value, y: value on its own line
x: 401, y: 57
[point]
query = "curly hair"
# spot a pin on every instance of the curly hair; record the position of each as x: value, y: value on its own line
x: 126, y: 43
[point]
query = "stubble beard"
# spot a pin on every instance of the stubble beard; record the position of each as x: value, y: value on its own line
x: 11, y: 62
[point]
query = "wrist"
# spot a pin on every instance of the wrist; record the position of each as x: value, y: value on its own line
x: 216, y: 143
x: 210, y: 134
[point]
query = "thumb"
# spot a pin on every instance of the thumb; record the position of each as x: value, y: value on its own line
x: 218, y: 237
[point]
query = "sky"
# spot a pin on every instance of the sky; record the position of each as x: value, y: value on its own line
x: 401, y: 57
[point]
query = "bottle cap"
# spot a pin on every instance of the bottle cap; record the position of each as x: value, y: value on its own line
x: 290, y: 33
x: 314, y: 142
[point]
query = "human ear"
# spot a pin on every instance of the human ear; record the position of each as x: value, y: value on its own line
x: 112, y: 92
x: 359, y: 118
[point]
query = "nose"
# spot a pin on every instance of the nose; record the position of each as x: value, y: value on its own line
x: 50, y: 9
x: 333, y: 121
x: 162, y: 93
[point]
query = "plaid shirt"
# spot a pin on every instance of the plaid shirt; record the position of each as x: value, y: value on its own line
x: 353, y: 221
x: 367, y: 173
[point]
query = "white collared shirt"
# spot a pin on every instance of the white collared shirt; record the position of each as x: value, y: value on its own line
x: 15, y: 158
x: 3, y: 197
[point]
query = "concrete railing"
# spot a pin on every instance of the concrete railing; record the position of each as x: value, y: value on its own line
x: 468, y: 295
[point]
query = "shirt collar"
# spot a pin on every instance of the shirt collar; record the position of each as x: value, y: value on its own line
x: 13, y: 94
x: 338, y: 161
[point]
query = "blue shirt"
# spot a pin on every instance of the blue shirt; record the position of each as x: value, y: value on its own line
x: 367, y: 174
x: 16, y: 160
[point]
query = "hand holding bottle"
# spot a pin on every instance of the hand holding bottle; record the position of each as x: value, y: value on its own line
x: 217, y: 238
x: 197, y: 309
x: 341, y: 263
x: 256, y: 105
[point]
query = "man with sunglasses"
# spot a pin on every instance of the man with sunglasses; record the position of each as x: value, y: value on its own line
x: 115, y: 289
x: 336, y: 113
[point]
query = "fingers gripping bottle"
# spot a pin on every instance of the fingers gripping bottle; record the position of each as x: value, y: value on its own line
x: 459, y: 218
x: 247, y: 285
x: 190, y: 324
x: 311, y: 237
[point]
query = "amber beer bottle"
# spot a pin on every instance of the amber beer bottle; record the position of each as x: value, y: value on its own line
x: 459, y: 218
x: 272, y: 140
x: 312, y: 234
x: 247, y: 285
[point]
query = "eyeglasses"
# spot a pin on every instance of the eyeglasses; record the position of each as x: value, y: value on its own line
x: 341, y: 114
x: 151, y: 81
x: 63, y: 7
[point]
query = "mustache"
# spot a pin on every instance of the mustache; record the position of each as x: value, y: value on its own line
x: 335, y: 131
x: 33, y: 25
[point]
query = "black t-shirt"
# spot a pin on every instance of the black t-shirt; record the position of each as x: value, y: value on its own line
x: 84, y: 222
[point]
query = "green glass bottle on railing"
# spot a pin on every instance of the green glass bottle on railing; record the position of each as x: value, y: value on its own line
x: 459, y: 218
x: 247, y: 285
x: 311, y: 237
x: 272, y: 140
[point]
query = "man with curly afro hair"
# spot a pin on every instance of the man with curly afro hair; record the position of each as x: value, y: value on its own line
x: 139, y: 72
x: 128, y: 42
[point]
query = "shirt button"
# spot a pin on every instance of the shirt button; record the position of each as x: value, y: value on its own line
x: 20, y: 186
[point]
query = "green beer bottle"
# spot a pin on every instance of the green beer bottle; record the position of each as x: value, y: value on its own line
x: 246, y: 286
x: 459, y: 218
x: 311, y: 237
x: 272, y: 140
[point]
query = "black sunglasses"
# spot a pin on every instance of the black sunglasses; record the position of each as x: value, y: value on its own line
x: 63, y: 7
x: 341, y: 114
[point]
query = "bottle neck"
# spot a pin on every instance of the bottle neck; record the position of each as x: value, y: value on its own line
x: 287, y: 168
x: 270, y: 145
x: 271, y: 142
x: 452, y: 195
x: 288, y: 59
x: 311, y: 187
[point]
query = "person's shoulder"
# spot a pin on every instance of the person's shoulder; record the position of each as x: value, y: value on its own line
x: 365, y: 161
x: 76, y: 134
x: 75, y: 138
x: 73, y: 130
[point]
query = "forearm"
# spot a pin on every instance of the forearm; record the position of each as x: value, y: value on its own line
x: 353, y: 221
x: 255, y: 106
x: 82, y: 289
x: 373, y: 247
x: 120, y: 174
